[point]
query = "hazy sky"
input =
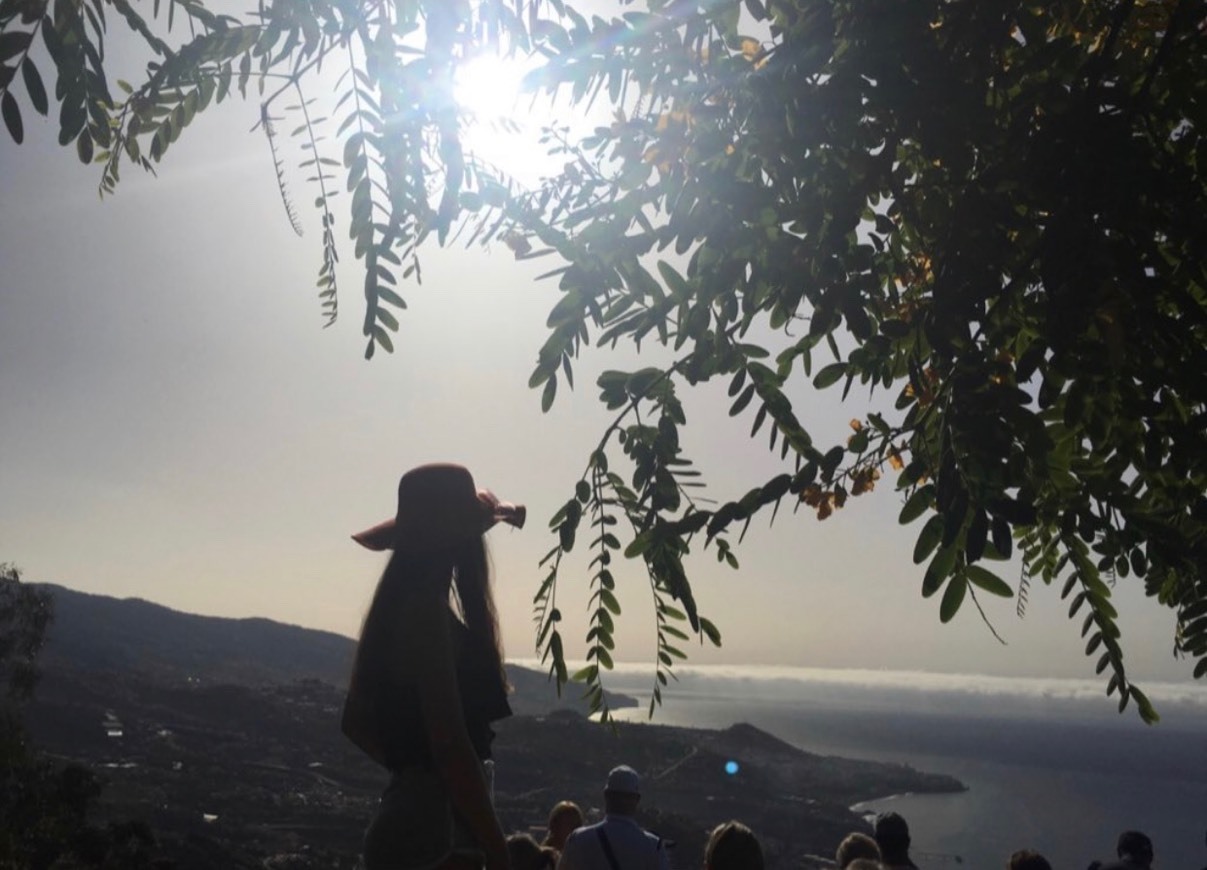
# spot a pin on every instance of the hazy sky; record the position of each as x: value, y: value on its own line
x: 177, y: 426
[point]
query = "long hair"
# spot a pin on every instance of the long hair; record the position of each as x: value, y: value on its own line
x: 733, y: 846
x: 475, y: 600
x: 565, y: 814
x: 470, y: 590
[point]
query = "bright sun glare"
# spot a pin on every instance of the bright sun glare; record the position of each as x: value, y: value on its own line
x: 489, y: 85
x: 506, y: 124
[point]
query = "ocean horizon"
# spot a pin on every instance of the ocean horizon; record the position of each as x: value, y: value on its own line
x: 1049, y: 763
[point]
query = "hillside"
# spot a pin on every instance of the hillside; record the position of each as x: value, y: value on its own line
x: 240, y: 764
x: 100, y: 634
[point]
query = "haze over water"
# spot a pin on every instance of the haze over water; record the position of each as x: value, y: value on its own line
x: 1049, y: 764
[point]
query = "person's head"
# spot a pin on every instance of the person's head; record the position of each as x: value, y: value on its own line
x: 1136, y: 846
x: 855, y: 846
x: 525, y: 853
x: 564, y: 819
x: 435, y: 536
x: 892, y: 836
x: 733, y: 846
x: 622, y: 792
x: 1028, y: 859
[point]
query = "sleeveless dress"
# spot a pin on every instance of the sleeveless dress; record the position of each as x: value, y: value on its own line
x: 416, y: 826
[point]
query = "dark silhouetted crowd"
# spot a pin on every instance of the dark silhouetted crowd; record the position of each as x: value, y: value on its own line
x: 618, y: 842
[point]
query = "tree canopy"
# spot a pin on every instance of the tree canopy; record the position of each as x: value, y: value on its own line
x: 45, y: 804
x: 990, y: 212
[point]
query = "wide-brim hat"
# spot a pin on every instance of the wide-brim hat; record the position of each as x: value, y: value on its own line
x: 439, y: 506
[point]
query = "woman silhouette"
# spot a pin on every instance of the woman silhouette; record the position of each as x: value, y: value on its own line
x: 428, y: 678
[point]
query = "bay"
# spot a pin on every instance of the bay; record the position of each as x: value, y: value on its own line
x: 1057, y: 771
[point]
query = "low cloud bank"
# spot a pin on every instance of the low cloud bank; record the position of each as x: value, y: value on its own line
x: 1041, y: 688
x: 917, y: 691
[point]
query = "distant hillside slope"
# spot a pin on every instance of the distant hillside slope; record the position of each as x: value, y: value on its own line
x: 97, y: 633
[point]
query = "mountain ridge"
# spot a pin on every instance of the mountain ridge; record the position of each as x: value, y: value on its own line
x: 98, y: 633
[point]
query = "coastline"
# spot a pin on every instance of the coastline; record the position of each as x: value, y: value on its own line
x: 862, y: 807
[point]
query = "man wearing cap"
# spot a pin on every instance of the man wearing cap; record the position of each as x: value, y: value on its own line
x: 1135, y: 852
x: 618, y: 842
x: 892, y: 836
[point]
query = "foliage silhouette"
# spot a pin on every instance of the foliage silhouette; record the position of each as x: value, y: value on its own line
x: 991, y: 212
x: 44, y: 805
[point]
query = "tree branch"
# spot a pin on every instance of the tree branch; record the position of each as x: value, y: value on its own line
x: 1097, y: 65
x: 1175, y: 21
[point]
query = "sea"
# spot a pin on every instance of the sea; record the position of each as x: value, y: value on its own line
x: 1049, y: 764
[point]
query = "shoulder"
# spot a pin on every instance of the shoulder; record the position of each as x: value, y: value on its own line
x: 652, y: 837
x: 581, y: 834
x: 629, y: 831
x: 578, y: 848
x: 584, y: 832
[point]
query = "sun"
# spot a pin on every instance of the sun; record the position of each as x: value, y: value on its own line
x: 504, y: 121
x: 489, y: 86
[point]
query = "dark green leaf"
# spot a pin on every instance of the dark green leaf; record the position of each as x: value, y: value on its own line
x: 989, y: 581
x: 13, y: 43
x: 829, y: 375
x: 639, y: 545
x: 952, y: 598
x: 978, y: 534
x: 829, y: 462
x: 12, y: 117
x: 83, y: 147
x: 742, y: 401
x: 1002, y: 541
x: 928, y: 539
x: 585, y: 675
x: 604, y: 659
x: 917, y: 504
x: 943, y: 563
x: 34, y: 86
x: 609, y: 601
x: 381, y: 337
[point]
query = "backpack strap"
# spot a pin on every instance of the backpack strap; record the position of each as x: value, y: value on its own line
x: 607, y: 849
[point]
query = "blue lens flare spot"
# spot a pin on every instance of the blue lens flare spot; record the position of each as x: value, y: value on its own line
x: 731, y: 767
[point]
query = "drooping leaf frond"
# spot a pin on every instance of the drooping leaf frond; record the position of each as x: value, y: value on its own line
x: 266, y: 122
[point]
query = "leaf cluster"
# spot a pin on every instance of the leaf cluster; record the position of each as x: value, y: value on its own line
x: 994, y: 206
x: 25, y: 614
x: 989, y: 212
